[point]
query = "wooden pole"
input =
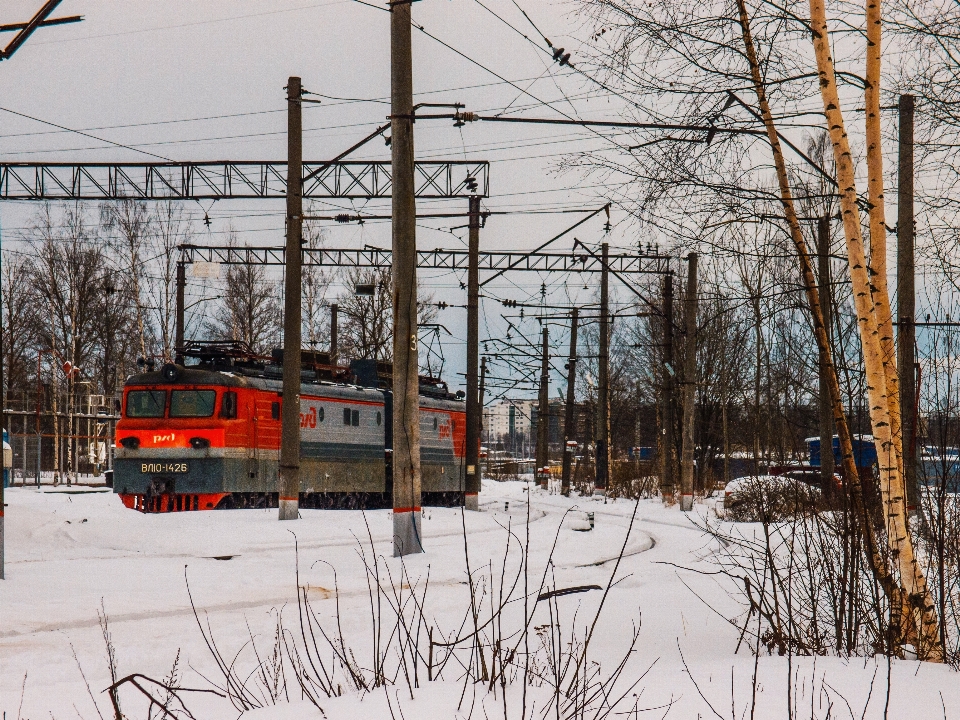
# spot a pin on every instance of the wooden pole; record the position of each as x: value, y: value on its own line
x: 689, y: 386
x: 543, y: 415
x: 668, y: 400
x: 406, y: 397
x: 334, y: 312
x: 178, y: 341
x: 602, y: 426
x: 39, y: 408
x: 289, y: 480
x: 826, y: 403
x: 480, y: 391
x: 906, y: 302
x: 569, y: 415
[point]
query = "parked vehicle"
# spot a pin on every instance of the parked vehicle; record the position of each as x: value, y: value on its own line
x: 755, y: 498
x: 811, y: 476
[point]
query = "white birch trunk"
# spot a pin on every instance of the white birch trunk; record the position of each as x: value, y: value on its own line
x: 891, y: 481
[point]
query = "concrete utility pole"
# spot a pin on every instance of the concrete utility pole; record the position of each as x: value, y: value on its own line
x: 334, y: 311
x: 689, y: 386
x: 667, y: 400
x: 406, y: 387
x: 602, y: 425
x: 543, y: 414
x: 178, y: 340
x: 289, y: 486
x: 826, y: 306
x: 472, y: 487
x: 569, y: 414
x: 906, y: 301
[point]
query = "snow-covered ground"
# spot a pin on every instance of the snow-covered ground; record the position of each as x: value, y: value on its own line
x: 72, y: 553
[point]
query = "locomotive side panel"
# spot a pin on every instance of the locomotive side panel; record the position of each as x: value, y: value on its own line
x: 342, y: 443
x: 262, y: 447
x: 442, y: 436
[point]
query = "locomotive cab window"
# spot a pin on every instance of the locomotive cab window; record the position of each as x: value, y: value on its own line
x: 146, y: 403
x: 192, y: 403
x: 228, y: 406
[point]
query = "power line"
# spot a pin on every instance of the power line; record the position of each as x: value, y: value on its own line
x: 80, y: 132
x: 239, y: 136
x: 193, y: 24
x: 227, y: 116
x: 146, y: 124
x: 483, y: 67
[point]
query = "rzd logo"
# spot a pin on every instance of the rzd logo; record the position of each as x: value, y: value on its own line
x: 163, y: 438
x: 309, y: 419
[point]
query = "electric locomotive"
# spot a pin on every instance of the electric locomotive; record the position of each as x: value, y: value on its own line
x: 206, y: 435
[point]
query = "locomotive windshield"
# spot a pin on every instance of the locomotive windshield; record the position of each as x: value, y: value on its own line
x: 146, y: 403
x: 192, y: 403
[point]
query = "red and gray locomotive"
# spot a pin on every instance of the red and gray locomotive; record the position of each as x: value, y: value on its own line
x: 207, y: 435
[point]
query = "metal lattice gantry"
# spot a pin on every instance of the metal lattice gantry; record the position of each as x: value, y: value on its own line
x: 438, y: 259
x: 244, y: 179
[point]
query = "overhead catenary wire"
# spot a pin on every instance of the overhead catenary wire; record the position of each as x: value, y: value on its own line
x: 207, y: 139
x: 483, y: 67
x: 192, y: 24
x: 251, y: 113
x: 85, y: 134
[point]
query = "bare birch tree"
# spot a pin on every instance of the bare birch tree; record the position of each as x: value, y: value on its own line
x: 316, y: 283
x: 249, y: 309
x: 20, y: 321
x: 689, y: 61
x: 170, y: 226
x: 877, y: 220
x: 128, y: 222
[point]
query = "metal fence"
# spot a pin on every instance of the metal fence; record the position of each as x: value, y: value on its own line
x: 61, y: 439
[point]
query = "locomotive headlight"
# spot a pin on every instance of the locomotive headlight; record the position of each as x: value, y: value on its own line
x: 198, y: 443
x: 170, y: 372
x: 130, y: 443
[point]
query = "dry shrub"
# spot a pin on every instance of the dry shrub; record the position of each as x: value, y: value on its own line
x: 802, y: 577
x: 494, y: 647
x: 766, y: 501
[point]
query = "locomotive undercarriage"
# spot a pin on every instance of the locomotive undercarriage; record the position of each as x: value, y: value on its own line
x: 233, y: 483
x: 182, y: 502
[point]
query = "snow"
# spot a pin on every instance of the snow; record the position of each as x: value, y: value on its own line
x: 73, y: 555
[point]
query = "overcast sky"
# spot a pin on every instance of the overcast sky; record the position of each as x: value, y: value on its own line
x: 204, y: 81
